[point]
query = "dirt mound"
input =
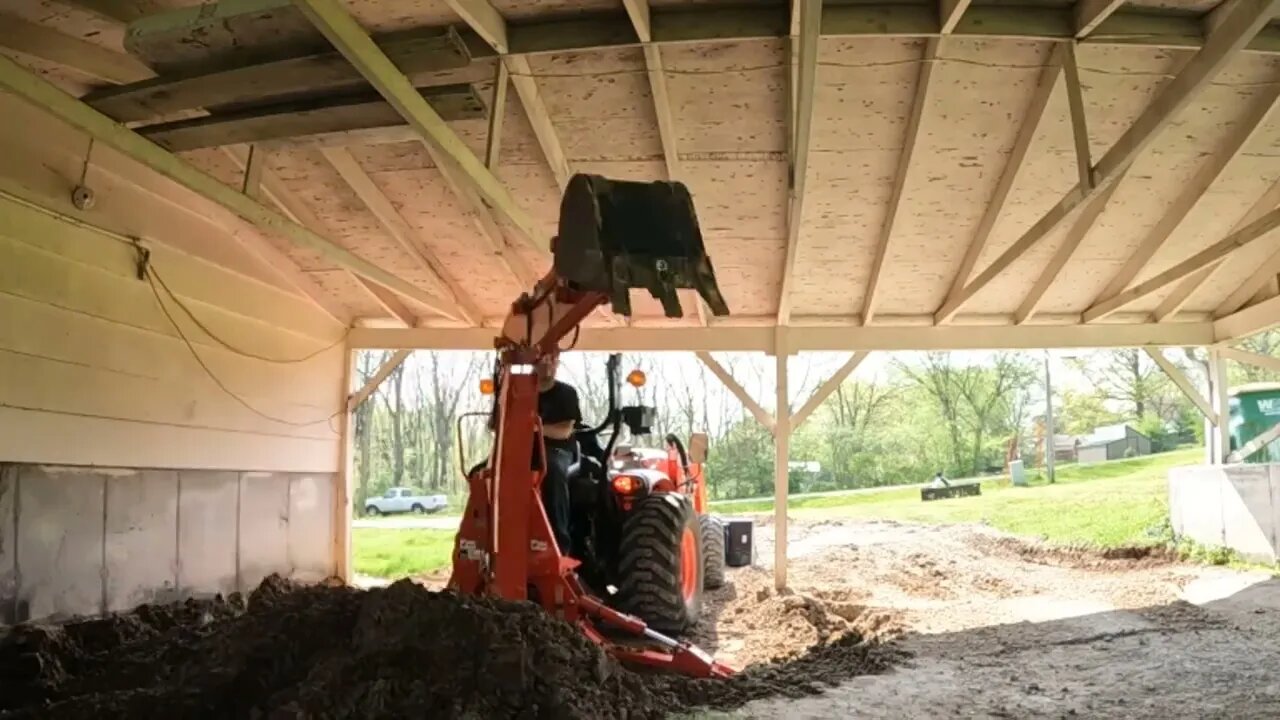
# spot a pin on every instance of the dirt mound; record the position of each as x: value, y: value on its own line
x: 749, y: 623
x: 338, y: 652
x: 1080, y: 557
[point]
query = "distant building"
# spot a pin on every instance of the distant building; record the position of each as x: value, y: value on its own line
x: 1112, y: 442
x: 1066, y: 448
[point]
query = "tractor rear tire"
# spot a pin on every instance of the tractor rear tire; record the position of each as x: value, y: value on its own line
x: 712, y: 552
x: 660, y: 572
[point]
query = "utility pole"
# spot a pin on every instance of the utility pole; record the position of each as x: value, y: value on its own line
x: 1050, y: 449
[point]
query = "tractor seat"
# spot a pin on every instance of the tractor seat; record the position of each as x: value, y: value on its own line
x: 585, y: 477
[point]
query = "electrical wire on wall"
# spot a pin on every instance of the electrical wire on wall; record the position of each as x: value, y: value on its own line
x: 147, y: 271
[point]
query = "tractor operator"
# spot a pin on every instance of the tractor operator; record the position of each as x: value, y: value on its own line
x: 560, y: 414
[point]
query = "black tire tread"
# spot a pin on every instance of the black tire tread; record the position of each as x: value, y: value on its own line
x: 712, y: 552
x: 649, y: 567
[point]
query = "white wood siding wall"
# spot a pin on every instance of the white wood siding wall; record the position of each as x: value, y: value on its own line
x: 93, y: 373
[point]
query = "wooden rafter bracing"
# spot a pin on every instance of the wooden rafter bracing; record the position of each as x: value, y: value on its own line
x: 274, y: 190
x: 1079, y: 123
x: 1259, y: 441
x: 419, y: 54
x: 1265, y: 272
x: 45, y: 43
x: 1178, y: 298
x: 40, y: 93
x: 808, y: 14
x: 1252, y: 320
x: 949, y: 14
x: 1192, y: 191
x: 1017, y: 156
x: 1075, y: 235
x: 1237, y: 28
x: 354, y: 43
x: 919, y: 106
x: 1251, y: 358
x: 732, y: 385
x: 266, y: 186
x: 1089, y: 14
x: 1184, y: 384
x: 825, y: 389
x: 394, y: 224
x: 371, y: 385
x: 1251, y: 233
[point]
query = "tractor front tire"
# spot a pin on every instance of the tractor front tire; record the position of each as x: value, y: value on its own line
x: 660, y: 571
x: 712, y: 552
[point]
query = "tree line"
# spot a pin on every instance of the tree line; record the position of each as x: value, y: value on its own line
x: 921, y: 413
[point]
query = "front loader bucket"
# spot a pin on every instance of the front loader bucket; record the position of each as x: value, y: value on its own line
x: 616, y: 235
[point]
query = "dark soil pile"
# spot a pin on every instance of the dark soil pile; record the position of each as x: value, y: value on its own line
x: 336, y: 652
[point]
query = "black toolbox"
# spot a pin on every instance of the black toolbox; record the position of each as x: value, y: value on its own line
x: 737, y: 542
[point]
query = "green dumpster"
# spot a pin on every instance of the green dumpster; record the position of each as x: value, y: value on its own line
x: 1255, y: 408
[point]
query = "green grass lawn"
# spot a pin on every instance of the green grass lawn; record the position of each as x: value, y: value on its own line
x: 1109, y: 505
x: 390, y: 553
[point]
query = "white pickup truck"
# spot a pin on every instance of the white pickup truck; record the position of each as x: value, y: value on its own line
x: 400, y: 499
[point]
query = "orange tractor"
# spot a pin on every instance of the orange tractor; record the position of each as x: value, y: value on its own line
x: 643, y: 566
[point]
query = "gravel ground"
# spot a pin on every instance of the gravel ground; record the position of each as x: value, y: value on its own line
x: 1000, y: 627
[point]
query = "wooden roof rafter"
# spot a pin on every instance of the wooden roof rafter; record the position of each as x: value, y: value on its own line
x: 808, y: 15
x: 1238, y: 27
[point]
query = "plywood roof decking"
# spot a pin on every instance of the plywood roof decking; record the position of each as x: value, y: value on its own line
x: 729, y: 100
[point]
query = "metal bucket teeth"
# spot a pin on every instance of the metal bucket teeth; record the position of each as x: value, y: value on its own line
x: 618, y: 235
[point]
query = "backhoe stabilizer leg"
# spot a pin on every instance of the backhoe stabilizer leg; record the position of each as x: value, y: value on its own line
x: 673, y: 656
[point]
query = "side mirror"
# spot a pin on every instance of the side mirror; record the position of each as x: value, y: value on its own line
x: 698, y: 448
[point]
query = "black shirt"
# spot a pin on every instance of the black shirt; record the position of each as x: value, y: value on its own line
x: 557, y: 404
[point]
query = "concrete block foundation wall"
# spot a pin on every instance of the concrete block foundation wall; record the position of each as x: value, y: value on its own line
x: 1233, y: 506
x: 76, y: 541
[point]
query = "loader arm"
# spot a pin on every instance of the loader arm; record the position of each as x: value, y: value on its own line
x: 614, y: 236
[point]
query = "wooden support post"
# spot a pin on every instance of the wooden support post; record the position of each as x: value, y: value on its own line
x: 781, y: 470
x: 824, y: 391
x: 376, y: 379
x: 761, y: 415
x: 1184, y: 384
x: 1220, y: 439
x: 344, y: 489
